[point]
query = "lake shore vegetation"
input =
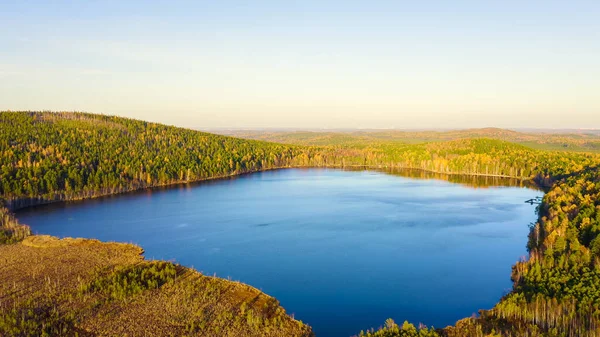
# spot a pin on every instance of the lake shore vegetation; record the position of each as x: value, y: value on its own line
x: 91, y: 286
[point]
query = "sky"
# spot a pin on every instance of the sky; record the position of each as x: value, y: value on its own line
x: 307, y: 64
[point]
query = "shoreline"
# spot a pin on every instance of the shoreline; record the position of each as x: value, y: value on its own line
x: 357, y: 168
x: 27, y: 202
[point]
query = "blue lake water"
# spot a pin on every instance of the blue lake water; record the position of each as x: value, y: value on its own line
x: 341, y: 250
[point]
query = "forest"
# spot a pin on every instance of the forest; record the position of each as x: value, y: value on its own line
x: 47, y: 157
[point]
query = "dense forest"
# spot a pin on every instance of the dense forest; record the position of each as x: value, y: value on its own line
x: 558, y: 288
x: 64, y: 156
x: 56, y: 156
x: 47, y: 157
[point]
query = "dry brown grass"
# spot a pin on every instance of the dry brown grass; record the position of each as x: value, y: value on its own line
x: 41, y: 282
x: 11, y: 230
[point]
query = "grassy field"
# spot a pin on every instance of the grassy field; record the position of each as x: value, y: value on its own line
x: 80, y: 287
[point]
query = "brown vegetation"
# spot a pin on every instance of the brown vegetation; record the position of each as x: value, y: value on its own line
x: 79, y: 287
x: 11, y: 230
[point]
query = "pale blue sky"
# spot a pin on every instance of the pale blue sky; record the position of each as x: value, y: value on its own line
x: 307, y: 64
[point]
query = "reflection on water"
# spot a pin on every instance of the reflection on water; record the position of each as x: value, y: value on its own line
x: 475, y: 181
x: 342, y: 250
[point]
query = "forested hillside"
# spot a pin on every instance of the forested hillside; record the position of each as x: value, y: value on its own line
x: 62, y: 156
x: 56, y: 156
x: 558, y: 288
x: 47, y: 157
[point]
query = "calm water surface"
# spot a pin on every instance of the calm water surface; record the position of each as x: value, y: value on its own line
x: 341, y: 250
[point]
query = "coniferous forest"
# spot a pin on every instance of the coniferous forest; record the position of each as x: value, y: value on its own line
x: 47, y: 157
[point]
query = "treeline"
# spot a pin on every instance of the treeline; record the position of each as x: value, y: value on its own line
x: 588, y: 141
x: 391, y: 329
x: 58, y: 156
x: 558, y: 288
x: 47, y: 156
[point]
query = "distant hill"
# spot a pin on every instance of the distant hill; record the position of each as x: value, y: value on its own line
x: 561, y: 140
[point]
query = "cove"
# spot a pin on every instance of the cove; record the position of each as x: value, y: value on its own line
x: 341, y: 250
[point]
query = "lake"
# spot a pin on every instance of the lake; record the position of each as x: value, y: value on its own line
x: 341, y: 250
